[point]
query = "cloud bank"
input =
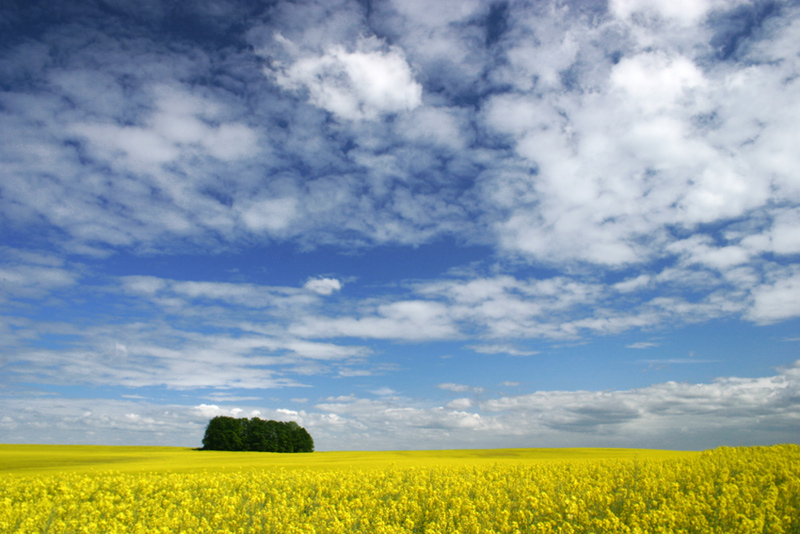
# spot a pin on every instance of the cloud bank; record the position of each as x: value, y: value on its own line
x: 730, y: 411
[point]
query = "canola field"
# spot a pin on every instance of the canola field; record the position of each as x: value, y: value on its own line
x: 146, y: 490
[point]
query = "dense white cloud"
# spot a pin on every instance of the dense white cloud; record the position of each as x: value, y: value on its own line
x: 362, y: 84
x: 777, y: 301
x: 620, y: 162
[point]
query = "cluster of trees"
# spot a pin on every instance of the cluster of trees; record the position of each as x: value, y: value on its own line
x: 242, y: 434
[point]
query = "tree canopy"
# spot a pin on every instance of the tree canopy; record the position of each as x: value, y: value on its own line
x: 241, y: 434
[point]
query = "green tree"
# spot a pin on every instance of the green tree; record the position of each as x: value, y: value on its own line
x: 301, y: 439
x: 225, y: 434
x: 231, y: 434
x: 258, y: 435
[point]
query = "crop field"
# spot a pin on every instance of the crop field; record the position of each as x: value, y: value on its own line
x: 158, y: 489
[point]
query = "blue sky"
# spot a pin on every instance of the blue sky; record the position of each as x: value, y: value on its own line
x: 404, y: 225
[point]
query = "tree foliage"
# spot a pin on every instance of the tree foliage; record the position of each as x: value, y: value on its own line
x: 241, y: 434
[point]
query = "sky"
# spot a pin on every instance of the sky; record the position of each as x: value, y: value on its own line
x: 403, y: 224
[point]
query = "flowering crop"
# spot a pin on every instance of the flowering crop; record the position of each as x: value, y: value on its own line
x: 730, y: 490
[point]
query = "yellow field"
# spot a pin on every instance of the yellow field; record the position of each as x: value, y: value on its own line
x: 43, y: 459
x: 143, y: 489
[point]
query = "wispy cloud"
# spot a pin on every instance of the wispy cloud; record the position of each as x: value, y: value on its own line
x: 502, y: 349
x: 459, y: 388
x: 676, y: 361
x: 642, y: 345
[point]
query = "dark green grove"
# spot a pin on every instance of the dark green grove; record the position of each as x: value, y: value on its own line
x: 242, y: 434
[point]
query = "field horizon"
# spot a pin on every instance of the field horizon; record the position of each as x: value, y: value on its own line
x: 34, y: 459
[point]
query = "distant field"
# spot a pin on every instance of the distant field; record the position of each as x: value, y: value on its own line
x: 94, y: 490
x: 48, y: 459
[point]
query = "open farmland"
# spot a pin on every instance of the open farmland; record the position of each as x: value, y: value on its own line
x: 143, y: 489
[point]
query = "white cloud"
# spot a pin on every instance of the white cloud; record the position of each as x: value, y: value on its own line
x: 543, y: 63
x: 626, y: 140
x: 179, y: 358
x: 682, y: 12
x: 176, y: 293
x: 270, y: 214
x: 363, y: 84
x: 777, y: 301
x: 323, y: 351
x: 179, y: 127
x: 502, y: 349
x: 439, y: 14
x: 729, y: 411
x: 633, y: 284
x: 677, y: 361
x: 412, y: 320
x: 700, y: 249
x: 144, y: 285
x: 323, y: 286
x: 460, y: 404
x: 642, y: 345
x: 349, y: 372
x: 655, y: 82
x: 458, y: 388
x: 426, y: 125
x: 781, y: 238
x: 729, y: 406
x: 34, y: 280
x: 636, y: 151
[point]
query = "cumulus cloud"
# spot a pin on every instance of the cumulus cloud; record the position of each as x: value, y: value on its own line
x: 613, y: 216
x: 361, y: 84
x: 777, y: 301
